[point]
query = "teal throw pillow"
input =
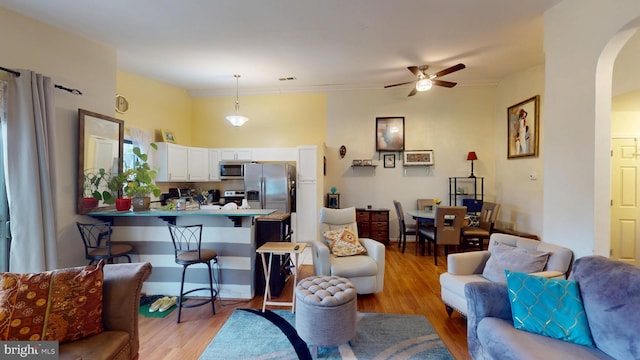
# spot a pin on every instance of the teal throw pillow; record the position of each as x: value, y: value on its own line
x: 549, y: 307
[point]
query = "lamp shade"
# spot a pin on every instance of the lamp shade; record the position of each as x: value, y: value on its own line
x: 472, y: 155
x: 237, y: 120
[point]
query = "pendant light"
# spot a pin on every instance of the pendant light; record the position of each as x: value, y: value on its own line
x: 237, y: 119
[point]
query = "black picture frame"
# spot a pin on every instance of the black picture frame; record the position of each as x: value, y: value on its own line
x: 390, y: 133
x: 390, y: 160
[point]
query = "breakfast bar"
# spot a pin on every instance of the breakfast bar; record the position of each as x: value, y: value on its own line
x: 230, y: 232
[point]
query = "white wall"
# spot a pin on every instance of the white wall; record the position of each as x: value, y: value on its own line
x: 577, y: 119
x: 520, y: 197
x: 451, y: 122
x: 76, y: 63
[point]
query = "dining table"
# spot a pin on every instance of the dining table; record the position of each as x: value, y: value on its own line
x: 427, y: 216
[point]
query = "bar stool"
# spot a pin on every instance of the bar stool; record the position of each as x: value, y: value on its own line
x: 97, y: 243
x: 187, y: 245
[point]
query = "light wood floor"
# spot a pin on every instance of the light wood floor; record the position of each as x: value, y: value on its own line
x: 411, y: 286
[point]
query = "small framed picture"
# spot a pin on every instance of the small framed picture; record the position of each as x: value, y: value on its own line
x: 418, y: 158
x: 367, y: 162
x: 390, y: 160
x: 168, y: 136
x: 356, y: 163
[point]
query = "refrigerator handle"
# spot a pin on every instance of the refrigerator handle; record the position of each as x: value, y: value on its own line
x: 263, y: 200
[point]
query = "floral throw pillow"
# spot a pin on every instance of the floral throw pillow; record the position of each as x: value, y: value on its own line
x: 60, y: 305
x: 344, y: 243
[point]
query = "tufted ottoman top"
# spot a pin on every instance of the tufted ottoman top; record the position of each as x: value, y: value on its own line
x: 325, y: 291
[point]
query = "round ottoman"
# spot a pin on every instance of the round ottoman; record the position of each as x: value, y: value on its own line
x: 326, y: 311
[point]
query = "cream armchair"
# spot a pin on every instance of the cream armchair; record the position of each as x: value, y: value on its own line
x: 463, y: 268
x: 366, y: 272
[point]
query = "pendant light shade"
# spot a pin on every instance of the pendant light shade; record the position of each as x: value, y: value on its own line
x: 237, y: 119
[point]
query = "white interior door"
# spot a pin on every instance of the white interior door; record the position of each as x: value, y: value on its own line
x: 625, y: 200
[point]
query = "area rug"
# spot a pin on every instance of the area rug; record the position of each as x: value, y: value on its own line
x: 248, y: 334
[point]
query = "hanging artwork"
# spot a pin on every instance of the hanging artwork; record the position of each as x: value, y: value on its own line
x: 522, y: 128
x: 390, y: 134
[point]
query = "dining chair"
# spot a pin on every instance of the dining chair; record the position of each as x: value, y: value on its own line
x: 474, y: 236
x: 97, y: 243
x: 426, y: 205
x: 405, y: 229
x: 448, y: 227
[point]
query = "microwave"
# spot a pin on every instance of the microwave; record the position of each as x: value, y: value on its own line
x: 232, y: 169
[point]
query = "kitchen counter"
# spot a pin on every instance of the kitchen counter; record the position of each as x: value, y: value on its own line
x: 170, y: 215
x: 234, y: 241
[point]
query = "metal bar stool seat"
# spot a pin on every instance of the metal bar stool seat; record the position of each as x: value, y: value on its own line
x: 97, y: 243
x: 187, y: 242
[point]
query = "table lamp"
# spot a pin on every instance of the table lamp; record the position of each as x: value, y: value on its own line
x: 472, y: 156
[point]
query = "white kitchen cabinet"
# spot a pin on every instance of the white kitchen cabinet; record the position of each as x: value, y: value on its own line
x: 214, y: 165
x: 307, y: 163
x: 198, y: 164
x: 172, y: 162
x: 235, y: 154
x: 307, y: 194
x: 274, y: 154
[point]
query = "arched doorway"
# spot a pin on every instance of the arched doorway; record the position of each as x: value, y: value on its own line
x: 625, y: 154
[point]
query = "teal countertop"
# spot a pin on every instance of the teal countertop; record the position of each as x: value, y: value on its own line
x: 163, y: 213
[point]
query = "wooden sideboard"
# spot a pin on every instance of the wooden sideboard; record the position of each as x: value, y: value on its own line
x: 373, y: 224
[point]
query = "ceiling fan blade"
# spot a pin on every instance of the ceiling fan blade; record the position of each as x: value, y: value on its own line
x: 446, y: 71
x: 413, y: 92
x: 404, y: 83
x: 415, y: 70
x: 448, y: 84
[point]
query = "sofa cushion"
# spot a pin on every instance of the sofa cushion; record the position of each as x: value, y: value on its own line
x: 62, y: 305
x: 549, y: 307
x: 518, y: 259
x: 611, y: 295
x: 353, y: 266
x: 500, y: 340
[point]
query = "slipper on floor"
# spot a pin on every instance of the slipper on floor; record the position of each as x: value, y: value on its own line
x: 157, y: 304
x: 167, y: 304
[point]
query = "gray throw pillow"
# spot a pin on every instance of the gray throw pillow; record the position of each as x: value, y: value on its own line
x: 515, y: 259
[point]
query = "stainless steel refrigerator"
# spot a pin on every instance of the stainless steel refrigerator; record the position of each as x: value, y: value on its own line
x: 270, y: 186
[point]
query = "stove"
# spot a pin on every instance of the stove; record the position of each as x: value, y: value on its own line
x: 235, y: 196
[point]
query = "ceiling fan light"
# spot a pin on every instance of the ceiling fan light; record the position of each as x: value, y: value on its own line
x: 237, y: 120
x: 424, y: 84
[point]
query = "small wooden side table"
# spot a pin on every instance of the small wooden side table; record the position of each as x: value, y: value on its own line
x: 280, y: 248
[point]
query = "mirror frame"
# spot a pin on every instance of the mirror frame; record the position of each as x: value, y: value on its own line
x: 82, y: 115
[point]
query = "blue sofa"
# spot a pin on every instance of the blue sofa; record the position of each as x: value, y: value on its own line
x: 610, y: 293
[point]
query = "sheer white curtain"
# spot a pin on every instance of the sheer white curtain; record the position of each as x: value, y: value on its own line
x: 29, y: 172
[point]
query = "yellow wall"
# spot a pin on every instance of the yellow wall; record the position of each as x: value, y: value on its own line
x: 274, y: 121
x: 154, y: 105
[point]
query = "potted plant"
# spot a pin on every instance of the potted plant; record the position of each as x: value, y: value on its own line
x: 139, y: 184
x: 95, y: 189
x: 116, y: 185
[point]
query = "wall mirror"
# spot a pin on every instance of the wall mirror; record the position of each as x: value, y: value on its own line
x: 100, y: 140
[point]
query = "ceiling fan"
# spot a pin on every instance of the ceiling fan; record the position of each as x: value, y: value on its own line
x: 425, y: 81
